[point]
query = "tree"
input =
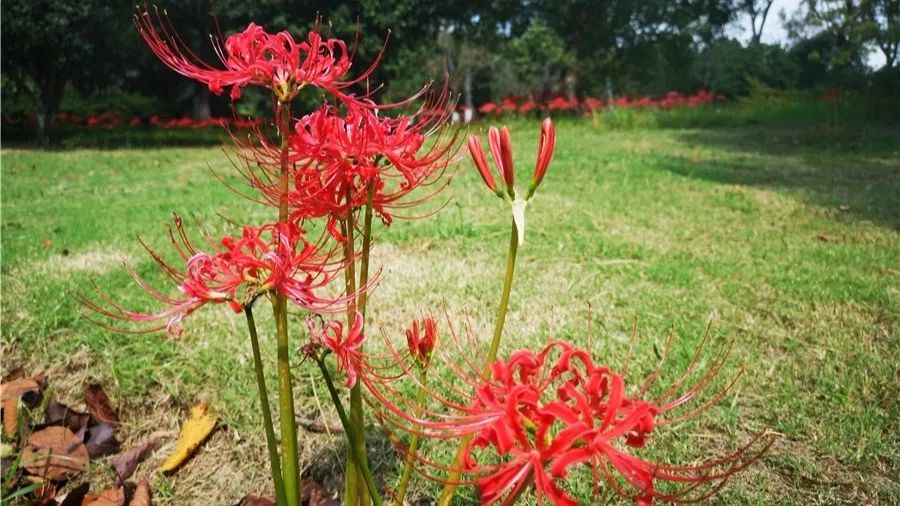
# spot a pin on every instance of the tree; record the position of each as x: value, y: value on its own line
x: 881, y: 25
x: 758, y: 10
x: 50, y: 44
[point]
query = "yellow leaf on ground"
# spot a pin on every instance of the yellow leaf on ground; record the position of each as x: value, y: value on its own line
x: 198, y: 427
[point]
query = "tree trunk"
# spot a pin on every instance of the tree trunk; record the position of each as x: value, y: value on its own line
x: 201, y: 102
x: 51, y: 96
x: 467, y: 88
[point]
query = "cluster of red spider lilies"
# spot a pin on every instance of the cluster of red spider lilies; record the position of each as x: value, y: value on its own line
x: 115, y: 119
x: 524, y: 421
x: 525, y: 106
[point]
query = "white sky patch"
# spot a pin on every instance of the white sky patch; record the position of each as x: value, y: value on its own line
x: 774, y: 31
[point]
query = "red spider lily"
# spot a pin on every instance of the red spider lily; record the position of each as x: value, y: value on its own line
x: 274, y: 257
x: 527, y: 106
x: 546, y: 147
x: 488, y: 108
x: 254, y: 57
x: 347, y: 349
x: 336, y: 160
x: 562, y: 104
x: 508, y: 105
x: 541, y: 415
x: 421, y: 344
x: 593, y: 103
x: 501, y: 152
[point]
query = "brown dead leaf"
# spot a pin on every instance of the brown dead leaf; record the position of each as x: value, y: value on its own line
x: 76, y: 495
x: 44, y: 495
x: 141, y: 495
x: 109, y: 497
x: 100, y: 440
x: 10, y: 416
x: 55, y: 453
x: 198, y: 427
x: 26, y: 389
x: 58, y: 413
x: 256, y: 500
x: 99, y: 405
x: 126, y: 463
x: 314, y: 494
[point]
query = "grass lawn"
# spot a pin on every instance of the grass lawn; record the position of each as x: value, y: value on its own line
x: 788, y: 239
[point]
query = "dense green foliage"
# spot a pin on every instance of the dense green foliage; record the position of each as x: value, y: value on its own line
x: 85, y: 57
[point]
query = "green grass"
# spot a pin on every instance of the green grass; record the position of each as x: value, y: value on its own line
x: 787, y: 238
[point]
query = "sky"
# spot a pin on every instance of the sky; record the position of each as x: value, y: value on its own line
x: 774, y: 32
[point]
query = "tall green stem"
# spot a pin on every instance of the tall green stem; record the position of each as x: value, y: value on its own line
x: 403, y: 484
x: 358, y: 458
x: 290, y: 459
x: 452, y: 479
x: 265, y: 407
x: 352, y: 491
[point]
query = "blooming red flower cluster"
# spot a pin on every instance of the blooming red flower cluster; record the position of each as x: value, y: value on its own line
x: 329, y: 163
x: 540, y: 416
x: 346, y: 349
x: 670, y: 100
x: 272, y: 257
x: 254, y: 57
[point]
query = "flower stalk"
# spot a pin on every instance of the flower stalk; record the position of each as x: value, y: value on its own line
x: 290, y: 456
x: 268, y: 426
x: 409, y: 459
x: 452, y: 481
x: 359, y: 459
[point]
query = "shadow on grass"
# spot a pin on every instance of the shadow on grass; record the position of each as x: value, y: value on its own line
x: 852, y: 172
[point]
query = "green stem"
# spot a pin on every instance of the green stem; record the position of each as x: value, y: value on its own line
x: 452, y: 479
x: 290, y: 459
x: 266, y: 413
x: 403, y: 484
x: 353, y: 495
x: 358, y: 458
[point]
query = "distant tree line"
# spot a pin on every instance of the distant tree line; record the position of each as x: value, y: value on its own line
x: 86, y: 52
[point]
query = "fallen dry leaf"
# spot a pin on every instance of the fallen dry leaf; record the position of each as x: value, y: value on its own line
x: 126, y: 463
x: 76, y: 495
x: 198, y: 427
x: 100, y: 440
x: 58, y: 413
x: 26, y: 389
x: 141, y: 495
x: 109, y: 497
x: 55, y: 453
x: 256, y: 500
x: 314, y: 494
x: 99, y: 405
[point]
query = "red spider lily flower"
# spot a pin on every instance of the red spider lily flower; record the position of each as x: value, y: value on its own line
x: 346, y: 349
x: 593, y: 103
x: 255, y: 57
x: 501, y: 152
x: 274, y: 257
x: 527, y: 106
x: 539, y: 416
x: 488, y: 108
x: 335, y: 160
x: 481, y: 164
x: 546, y: 147
x: 508, y: 104
x: 421, y: 343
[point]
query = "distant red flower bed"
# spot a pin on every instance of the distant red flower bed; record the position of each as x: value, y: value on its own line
x: 525, y: 105
x: 115, y: 119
